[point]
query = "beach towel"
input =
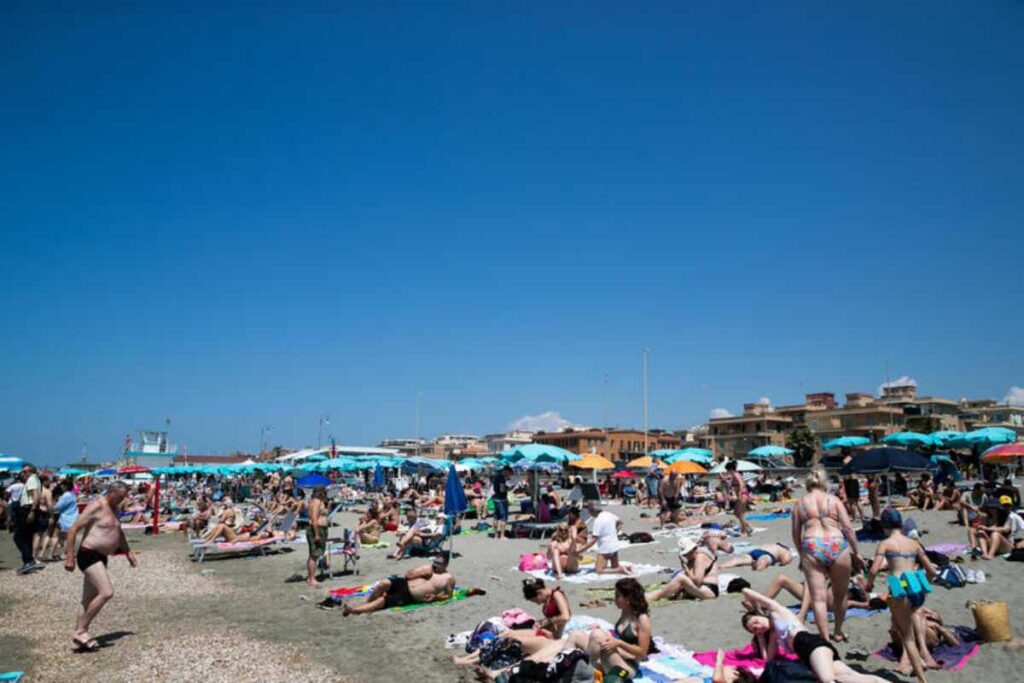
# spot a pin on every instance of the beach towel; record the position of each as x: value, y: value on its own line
x: 11, y: 676
x: 949, y: 549
x: 582, y: 622
x: 744, y: 656
x: 768, y: 517
x: 951, y: 657
x: 377, y: 545
x: 851, y: 613
x: 587, y: 575
x: 352, y: 591
x: 667, y: 668
x: 459, y: 594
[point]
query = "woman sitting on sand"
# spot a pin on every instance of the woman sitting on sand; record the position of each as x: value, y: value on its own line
x: 618, y: 656
x: 562, y: 554
x: 1006, y: 533
x: 369, y: 527
x: 949, y: 498
x: 698, y: 577
x: 555, y: 607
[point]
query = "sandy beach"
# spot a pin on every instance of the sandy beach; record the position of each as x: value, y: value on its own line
x: 172, y: 619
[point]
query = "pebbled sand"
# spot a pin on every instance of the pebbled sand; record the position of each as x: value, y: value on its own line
x: 240, y: 621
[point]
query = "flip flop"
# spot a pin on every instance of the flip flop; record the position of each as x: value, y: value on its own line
x: 79, y: 646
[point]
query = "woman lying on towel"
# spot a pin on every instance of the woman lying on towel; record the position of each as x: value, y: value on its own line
x: 774, y: 627
x: 563, y: 555
x: 761, y: 557
x: 935, y: 634
x: 856, y: 596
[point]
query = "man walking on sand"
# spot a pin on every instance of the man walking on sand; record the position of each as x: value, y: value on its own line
x: 316, y: 533
x: 101, y: 537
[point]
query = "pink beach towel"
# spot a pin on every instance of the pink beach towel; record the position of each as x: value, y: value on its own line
x: 744, y: 657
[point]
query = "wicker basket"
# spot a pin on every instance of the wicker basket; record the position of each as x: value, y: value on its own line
x: 993, y: 621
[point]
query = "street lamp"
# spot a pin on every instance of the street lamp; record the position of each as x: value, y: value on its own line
x: 325, y: 419
x: 264, y: 430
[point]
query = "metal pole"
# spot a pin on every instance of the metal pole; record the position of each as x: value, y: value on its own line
x: 324, y: 419
x: 645, y: 401
x: 416, y: 421
x: 607, y: 379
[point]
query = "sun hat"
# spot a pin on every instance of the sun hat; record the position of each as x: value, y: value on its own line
x: 686, y: 546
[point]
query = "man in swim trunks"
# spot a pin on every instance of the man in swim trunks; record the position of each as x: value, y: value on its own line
x: 102, y: 536
x: 316, y: 533
x: 761, y: 557
x: 429, y: 583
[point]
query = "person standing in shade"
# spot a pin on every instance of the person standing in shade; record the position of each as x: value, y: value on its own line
x: 102, y: 537
x: 500, y: 499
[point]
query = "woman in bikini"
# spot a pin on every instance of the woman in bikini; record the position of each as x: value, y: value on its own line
x: 908, y: 584
x: 698, y: 577
x: 741, y: 496
x: 828, y: 550
x: 554, y: 607
x: 761, y: 557
x: 619, y: 657
x: 369, y: 526
x: 562, y: 553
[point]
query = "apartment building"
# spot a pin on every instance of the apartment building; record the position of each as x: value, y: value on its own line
x: 734, y: 437
x: 614, y: 444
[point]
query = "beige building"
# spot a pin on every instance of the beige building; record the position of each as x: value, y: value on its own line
x: 734, y: 437
x: 980, y: 413
x: 614, y: 444
x: 861, y: 415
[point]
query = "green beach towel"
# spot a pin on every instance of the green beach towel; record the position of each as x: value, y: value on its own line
x: 459, y: 594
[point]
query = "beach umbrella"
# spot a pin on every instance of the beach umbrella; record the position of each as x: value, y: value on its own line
x: 662, y: 453
x: 986, y: 437
x: 316, y: 457
x: 69, y: 472
x: 593, y: 462
x: 312, y: 480
x: 688, y: 467
x: 884, y: 461
x: 106, y: 472
x: 10, y: 463
x: 378, y: 477
x: 769, y: 452
x: 741, y: 466
x: 909, y: 440
x: 846, y: 442
x: 455, y: 504
x: 698, y: 455
x: 1005, y: 453
x: 139, y: 469
x: 538, y: 452
x: 641, y: 463
x: 624, y: 474
x: 943, y: 438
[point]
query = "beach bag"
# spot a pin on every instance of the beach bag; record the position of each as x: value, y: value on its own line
x: 531, y: 562
x: 952, y: 576
x: 937, y: 558
x: 992, y: 620
x: 1017, y: 555
x: 483, y: 632
x: 640, y: 537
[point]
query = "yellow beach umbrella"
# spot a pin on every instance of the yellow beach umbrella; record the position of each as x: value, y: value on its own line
x: 592, y: 461
x: 685, y: 467
x: 643, y: 462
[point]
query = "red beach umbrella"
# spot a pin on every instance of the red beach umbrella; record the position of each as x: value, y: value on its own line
x: 623, y: 474
x: 139, y: 469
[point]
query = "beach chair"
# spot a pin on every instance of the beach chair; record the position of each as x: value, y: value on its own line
x: 434, y: 545
x: 349, y: 551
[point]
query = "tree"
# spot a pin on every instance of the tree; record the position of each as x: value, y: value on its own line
x: 924, y: 424
x: 804, y: 444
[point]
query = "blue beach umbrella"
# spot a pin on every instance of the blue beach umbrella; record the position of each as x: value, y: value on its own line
x: 106, y: 472
x: 846, y: 442
x: 990, y: 436
x: 701, y: 456
x: 909, y: 440
x: 537, y: 452
x: 378, y: 476
x: 455, y: 504
x: 10, y: 462
x: 943, y: 438
x: 769, y: 452
x: 886, y: 460
x: 312, y: 480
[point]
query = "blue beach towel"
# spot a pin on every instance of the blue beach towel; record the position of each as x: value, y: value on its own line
x: 768, y: 517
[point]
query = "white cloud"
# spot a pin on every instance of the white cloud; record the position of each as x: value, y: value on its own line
x: 549, y: 421
x: 719, y: 412
x: 765, y: 401
x: 904, y: 381
x: 1015, y: 396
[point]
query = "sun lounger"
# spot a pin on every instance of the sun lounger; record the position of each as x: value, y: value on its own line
x: 434, y: 545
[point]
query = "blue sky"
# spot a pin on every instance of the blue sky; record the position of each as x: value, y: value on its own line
x: 239, y: 216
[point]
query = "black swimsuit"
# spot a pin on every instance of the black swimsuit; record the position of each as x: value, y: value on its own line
x: 88, y: 557
x: 398, y: 593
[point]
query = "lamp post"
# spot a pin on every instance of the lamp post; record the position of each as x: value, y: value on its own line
x: 416, y: 421
x: 645, y: 351
x: 264, y: 430
x: 324, y: 419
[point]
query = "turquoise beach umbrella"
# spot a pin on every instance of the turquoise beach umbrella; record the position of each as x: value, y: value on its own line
x: 909, y: 440
x: 701, y: 456
x: 769, y: 452
x: 537, y: 452
x: 846, y: 442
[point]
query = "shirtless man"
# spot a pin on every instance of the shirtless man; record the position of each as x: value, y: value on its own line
x: 429, y: 583
x: 316, y: 533
x: 102, y: 536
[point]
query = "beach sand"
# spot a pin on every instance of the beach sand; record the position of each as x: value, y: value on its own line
x: 238, y: 620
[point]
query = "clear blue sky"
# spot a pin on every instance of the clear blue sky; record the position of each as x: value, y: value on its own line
x: 245, y: 214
